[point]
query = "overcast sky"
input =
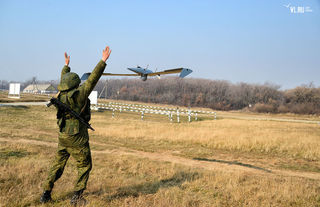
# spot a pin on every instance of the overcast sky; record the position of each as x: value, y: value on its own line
x: 251, y: 41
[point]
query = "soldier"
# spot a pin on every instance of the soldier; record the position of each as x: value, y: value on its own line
x: 73, y: 135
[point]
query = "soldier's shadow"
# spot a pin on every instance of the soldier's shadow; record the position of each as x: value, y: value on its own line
x: 153, y: 187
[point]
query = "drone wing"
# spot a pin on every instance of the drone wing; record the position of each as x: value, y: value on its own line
x: 114, y: 74
x: 183, y: 72
x: 85, y: 76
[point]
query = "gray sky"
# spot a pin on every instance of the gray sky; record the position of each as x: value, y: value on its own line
x: 273, y: 41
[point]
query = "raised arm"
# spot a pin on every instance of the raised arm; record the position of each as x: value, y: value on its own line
x: 94, y: 77
x: 66, y: 68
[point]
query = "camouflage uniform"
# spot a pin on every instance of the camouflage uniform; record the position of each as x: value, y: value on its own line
x: 73, y: 135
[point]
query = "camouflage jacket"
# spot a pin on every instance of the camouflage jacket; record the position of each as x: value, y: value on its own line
x: 77, y: 99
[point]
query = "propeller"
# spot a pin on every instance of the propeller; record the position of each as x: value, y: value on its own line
x: 158, y: 76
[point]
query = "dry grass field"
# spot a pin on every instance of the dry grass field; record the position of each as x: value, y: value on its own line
x: 224, y: 162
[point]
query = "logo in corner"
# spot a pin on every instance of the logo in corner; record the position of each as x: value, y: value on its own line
x: 298, y: 9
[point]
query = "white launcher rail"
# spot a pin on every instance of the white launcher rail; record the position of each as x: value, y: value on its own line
x: 144, y: 109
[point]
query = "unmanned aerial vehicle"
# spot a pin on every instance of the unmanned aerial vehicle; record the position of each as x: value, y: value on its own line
x: 145, y: 72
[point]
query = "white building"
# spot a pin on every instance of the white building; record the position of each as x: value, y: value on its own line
x: 39, y: 88
x: 14, y: 90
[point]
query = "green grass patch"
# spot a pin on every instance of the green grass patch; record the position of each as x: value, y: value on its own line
x: 6, y: 154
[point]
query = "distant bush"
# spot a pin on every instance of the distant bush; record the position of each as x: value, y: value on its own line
x: 264, y: 108
x: 305, y: 108
x: 283, y: 109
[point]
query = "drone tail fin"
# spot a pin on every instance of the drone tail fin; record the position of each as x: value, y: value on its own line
x: 85, y: 76
x: 185, y: 72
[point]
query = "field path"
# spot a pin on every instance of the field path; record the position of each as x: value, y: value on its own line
x: 211, y: 165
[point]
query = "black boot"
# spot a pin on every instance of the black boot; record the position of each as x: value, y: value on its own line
x: 77, y: 199
x: 46, y: 197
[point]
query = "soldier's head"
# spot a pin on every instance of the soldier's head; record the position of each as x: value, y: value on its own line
x: 69, y: 81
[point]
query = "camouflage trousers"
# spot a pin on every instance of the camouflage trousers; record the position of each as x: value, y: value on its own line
x: 81, y: 154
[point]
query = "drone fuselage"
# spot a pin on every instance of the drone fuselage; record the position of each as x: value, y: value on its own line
x: 140, y: 70
x: 143, y: 71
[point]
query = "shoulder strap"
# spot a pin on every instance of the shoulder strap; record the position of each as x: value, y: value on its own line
x: 70, y: 97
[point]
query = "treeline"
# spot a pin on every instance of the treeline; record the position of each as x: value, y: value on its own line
x: 215, y: 94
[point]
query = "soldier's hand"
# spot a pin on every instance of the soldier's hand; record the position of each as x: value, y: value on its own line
x: 106, y: 53
x: 66, y: 58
